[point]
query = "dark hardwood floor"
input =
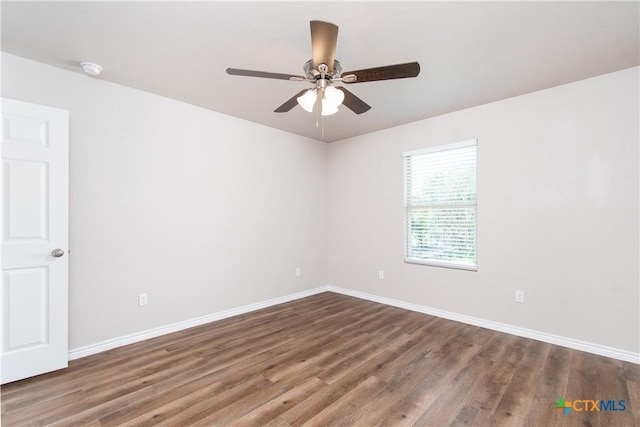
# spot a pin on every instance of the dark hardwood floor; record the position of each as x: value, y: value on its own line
x: 328, y: 360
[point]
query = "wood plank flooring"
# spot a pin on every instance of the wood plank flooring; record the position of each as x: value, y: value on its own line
x: 328, y: 360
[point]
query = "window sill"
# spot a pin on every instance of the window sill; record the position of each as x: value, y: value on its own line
x: 441, y: 264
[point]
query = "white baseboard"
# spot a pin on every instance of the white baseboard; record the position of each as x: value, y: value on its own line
x: 88, y: 350
x: 600, y: 350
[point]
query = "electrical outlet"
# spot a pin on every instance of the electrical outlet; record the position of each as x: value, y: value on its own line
x: 298, y: 271
x: 520, y: 296
x: 143, y: 299
x: 380, y: 274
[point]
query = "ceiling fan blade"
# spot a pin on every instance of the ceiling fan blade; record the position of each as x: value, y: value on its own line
x: 264, y: 74
x: 389, y: 72
x: 290, y: 103
x: 354, y: 103
x: 324, y: 38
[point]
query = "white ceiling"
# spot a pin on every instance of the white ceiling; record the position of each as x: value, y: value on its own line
x: 470, y: 53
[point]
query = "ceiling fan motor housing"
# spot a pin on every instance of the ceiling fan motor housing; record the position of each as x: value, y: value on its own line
x: 322, y: 72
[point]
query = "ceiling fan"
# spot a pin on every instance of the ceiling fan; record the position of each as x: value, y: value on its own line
x: 324, y: 71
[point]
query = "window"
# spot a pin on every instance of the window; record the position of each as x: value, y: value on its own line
x: 440, y: 206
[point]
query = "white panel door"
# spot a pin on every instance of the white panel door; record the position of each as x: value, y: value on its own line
x: 35, y: 222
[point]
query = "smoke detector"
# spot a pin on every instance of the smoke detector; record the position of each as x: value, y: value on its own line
x: 91, y: 68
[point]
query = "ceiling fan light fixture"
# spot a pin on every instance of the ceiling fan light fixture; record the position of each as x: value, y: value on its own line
x: 327, y: 109
x: 331, y: 100
x: 333, y: 96
x: 308, y: 100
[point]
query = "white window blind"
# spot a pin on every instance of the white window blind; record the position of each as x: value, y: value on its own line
x: 440, y: 206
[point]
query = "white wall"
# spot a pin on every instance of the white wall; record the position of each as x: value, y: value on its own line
x: 206, y: 212
x: 203, y: 211
x: 557, y: 212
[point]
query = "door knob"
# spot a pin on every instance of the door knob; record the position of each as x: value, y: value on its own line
x: 57, y: 253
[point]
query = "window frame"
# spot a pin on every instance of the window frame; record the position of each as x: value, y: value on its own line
x: 407, y: 208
